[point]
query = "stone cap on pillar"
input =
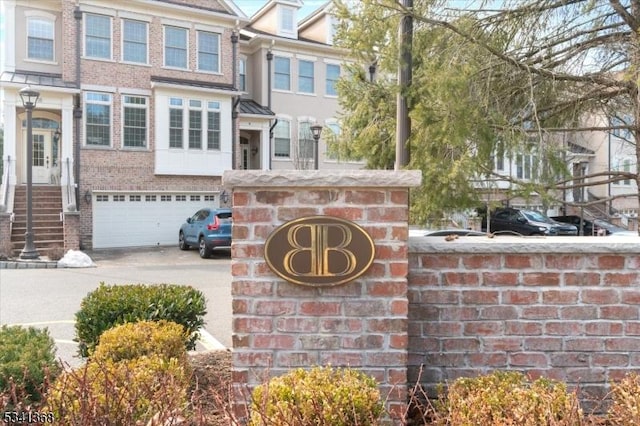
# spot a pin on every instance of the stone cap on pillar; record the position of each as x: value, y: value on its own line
x: 322, y: 178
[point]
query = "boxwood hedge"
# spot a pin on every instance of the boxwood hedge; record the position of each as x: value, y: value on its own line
x: 111, y: 305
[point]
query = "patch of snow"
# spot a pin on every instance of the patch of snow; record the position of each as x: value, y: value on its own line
x: 75, y: 259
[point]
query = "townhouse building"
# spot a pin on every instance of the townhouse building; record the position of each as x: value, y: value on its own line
x: 291, y: 66
x: 588, y: 155
x: 134, y: 124
x: 143, y: 104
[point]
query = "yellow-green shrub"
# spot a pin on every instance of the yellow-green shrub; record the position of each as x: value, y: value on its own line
x: 144, y: 338
x: 27, y: 360
x: 321, y: 396
x: 120, y: 393
x: 625, y: 401
x: 111, y: 305
x: 507, y: 398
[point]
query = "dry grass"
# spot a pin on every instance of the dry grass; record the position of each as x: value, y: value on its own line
x: 211, y: 383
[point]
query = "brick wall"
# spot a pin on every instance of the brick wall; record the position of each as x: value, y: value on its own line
x: 362, y: 324
x: 563, y: 308
x: 71, y: 231
x: 5, y: 234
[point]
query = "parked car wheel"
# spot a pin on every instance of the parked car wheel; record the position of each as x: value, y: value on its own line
x: 205, y: 252
x: 181, y: 242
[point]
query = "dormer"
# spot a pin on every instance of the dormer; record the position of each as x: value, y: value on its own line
x: 319, y: 26
x: 278, y: 17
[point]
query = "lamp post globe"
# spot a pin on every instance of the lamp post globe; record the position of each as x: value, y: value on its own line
x: 29, y: 100
x: 316, y: 130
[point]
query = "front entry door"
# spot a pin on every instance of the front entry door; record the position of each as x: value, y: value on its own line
x: 245, y: 159
x: 42, y: 158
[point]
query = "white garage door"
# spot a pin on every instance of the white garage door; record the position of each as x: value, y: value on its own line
x: 143, y: 219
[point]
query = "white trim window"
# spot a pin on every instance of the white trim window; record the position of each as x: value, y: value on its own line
x: 134, y: 41
x: 175, y: 47
x: 208, y: 51
x: 282, y: 139
x: 195, y: 124
x: 306, y: 82
x: 203, y: 121
x: 135, y: 121
x: 97, y: 41
x: 331, y: 134
x: 305, y: 140
x: 242, y: 70
x: 40, y: 38
x: 213, y: 126
x: 526, y: 166
x: 286, y: 21
x: 97, y: 112
x: 333, y: 74
x: 624, y: 165
x: 282, y: 73
x: 176, y: 123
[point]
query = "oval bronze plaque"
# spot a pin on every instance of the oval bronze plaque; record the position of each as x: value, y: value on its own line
x: 319, y: 251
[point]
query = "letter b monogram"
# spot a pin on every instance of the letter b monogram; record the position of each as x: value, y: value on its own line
x: 324, y: 246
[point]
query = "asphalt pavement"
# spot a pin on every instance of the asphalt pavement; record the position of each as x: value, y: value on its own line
x: 51, y: 297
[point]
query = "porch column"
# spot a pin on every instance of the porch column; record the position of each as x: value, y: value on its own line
x: 66, y: 144
x: 11, y: 136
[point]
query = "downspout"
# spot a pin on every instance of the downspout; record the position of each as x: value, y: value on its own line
x: 610, y: 210
x: 235, y: 99
x: 275, y: 121
x: 77, y: 105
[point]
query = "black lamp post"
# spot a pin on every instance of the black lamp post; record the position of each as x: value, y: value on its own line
x: 29, y: 99
x: 316, y: 129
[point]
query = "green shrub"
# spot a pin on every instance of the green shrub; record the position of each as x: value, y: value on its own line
x: 505, y: 398
x: 108, y: 306
x: 144, y: 338
x: 321, y: 396
x: 625, y: 401
x: 27, y: 358
x: 127, y: 392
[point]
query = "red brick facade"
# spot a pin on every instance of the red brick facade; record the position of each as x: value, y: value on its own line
x: 120, y: 169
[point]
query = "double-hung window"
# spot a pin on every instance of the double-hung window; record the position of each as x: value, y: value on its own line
x: 333, y: 74
x: 175, y: 47
x: 282, y: 73
x: 135, y: 121
x: 195, y: 124
x: 305, y: 77
x: 40, y: 34
x: 176, y: 125
x: 526, y: 166
x: 203, y: 121
x: 242, y: 65
x: 331, y: 137
x: 282, y: 139
x: 208, y: 51
x: 305, y: 140
x: 286, y: 21
x: 213, y: 126
x: 134, y: 41
x: 97, y: 36
x: 98, y: 119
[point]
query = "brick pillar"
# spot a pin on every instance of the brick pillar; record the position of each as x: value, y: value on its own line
x: 71, y: 231
x: 5, y: 235
x: 362, y: 324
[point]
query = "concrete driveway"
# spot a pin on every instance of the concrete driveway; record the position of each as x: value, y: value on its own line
x: 51, y: 297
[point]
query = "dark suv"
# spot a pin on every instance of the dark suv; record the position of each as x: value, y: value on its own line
x: 526, y: 222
